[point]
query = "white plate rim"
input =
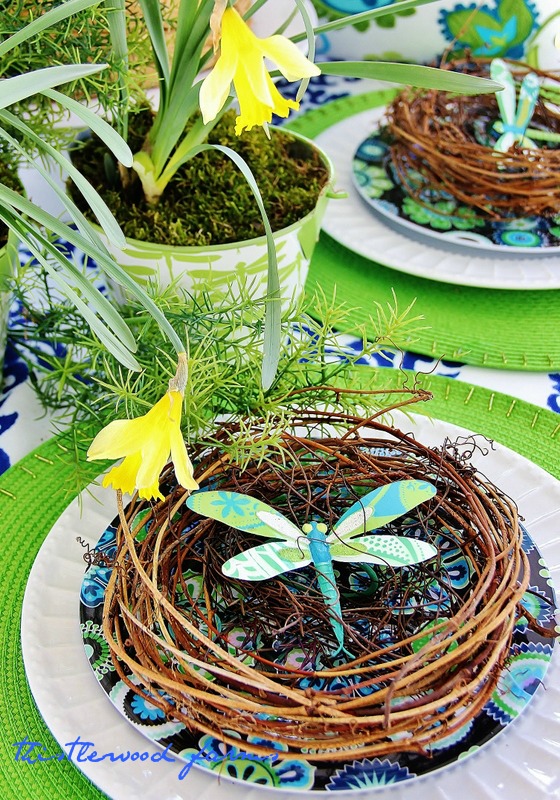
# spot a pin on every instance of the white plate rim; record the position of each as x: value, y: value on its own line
x: 353, y: 224
x: 517, y: 764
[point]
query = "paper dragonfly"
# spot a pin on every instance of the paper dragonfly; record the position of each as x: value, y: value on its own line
x: 515, y: 116
x: 312, y: 544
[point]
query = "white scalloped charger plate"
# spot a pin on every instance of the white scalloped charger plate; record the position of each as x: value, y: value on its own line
x: 353, y: 224
x: 520, y: 764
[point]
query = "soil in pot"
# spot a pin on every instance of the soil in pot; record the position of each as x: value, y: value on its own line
x: 209, y: 202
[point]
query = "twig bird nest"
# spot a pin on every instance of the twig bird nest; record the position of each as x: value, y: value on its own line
x: 448, y: 139
x: 424, y: 644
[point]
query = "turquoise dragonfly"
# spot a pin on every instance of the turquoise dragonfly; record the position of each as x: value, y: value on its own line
x: 516, y: 115
x: 312, y: 544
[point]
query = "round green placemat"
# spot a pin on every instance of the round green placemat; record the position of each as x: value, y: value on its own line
x: 34, y: 493
x: 504, y: 329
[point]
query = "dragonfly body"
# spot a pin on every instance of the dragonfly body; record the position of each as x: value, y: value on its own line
x: 314, y: 544
x: 320, y: 551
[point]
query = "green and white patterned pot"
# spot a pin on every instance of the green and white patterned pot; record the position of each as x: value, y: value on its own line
x: 8, y: 265
x: 224, y: 270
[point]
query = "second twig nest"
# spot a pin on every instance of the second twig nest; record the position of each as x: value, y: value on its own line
x: 448, y: 140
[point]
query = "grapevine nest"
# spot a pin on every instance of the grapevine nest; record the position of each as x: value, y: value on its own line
x: 449, y: 139
x: 218, y: 654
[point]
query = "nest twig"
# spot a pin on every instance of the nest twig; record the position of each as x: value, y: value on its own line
x: 439, y: 135
x: 216, y: 656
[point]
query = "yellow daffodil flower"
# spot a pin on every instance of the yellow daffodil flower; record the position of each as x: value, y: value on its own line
x: 241, y: 60
x: 146, y: 443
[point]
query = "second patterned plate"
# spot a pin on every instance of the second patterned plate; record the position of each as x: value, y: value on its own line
x: 438, y: 214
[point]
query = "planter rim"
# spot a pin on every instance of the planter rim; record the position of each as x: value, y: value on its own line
x: 142, y: 244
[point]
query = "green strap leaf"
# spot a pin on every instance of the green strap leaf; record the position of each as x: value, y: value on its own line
x: 95, y: 202
x: 99, y: 254
x: 365, y: 16
x: 185, y: 19
x: 94, y: 297
x: 154, y: 23
x: 253, y: 8
x: 119, y: 345
x: 24, y: 86
x: 412, y: 75
x: 182, y: 95
x: 106, y: 133
x: 310, y: 44
x: 117, y: 22
x: 273, y: 308
x: 116, y: 19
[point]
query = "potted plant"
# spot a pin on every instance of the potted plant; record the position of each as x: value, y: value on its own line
x: 25, y: 123
x: 188, y: 127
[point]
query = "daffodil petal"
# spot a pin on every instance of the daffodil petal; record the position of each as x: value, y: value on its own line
x: 155, y: 456
x: 280, y: 104
x: 253, y: 74
x: 175, y: 408
x: 239, y: 39
x: 119, y: 438
x: 288, y: 58
x: 215, y: 88
x: 150, y: 439
x: 181, y: 461
x: 242, y: 61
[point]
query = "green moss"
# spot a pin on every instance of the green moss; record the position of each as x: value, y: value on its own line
x: 209, y: 201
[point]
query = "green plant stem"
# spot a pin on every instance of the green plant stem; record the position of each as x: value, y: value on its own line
x: 179, y: 100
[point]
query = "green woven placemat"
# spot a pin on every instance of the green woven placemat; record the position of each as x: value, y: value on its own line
x: 33, y: 495
x: 504, y: 329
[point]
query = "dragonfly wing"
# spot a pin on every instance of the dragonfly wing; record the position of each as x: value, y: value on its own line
x: 528, y: 96
x: 381, y: 507
x: 281, y: 524
x: 267, y: 561
x: 506, y: 99
x: 244, y: 513
x: 391, y: 551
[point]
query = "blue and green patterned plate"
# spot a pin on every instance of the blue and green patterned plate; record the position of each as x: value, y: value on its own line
x: 439, y: 215
x: 529, y: 658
